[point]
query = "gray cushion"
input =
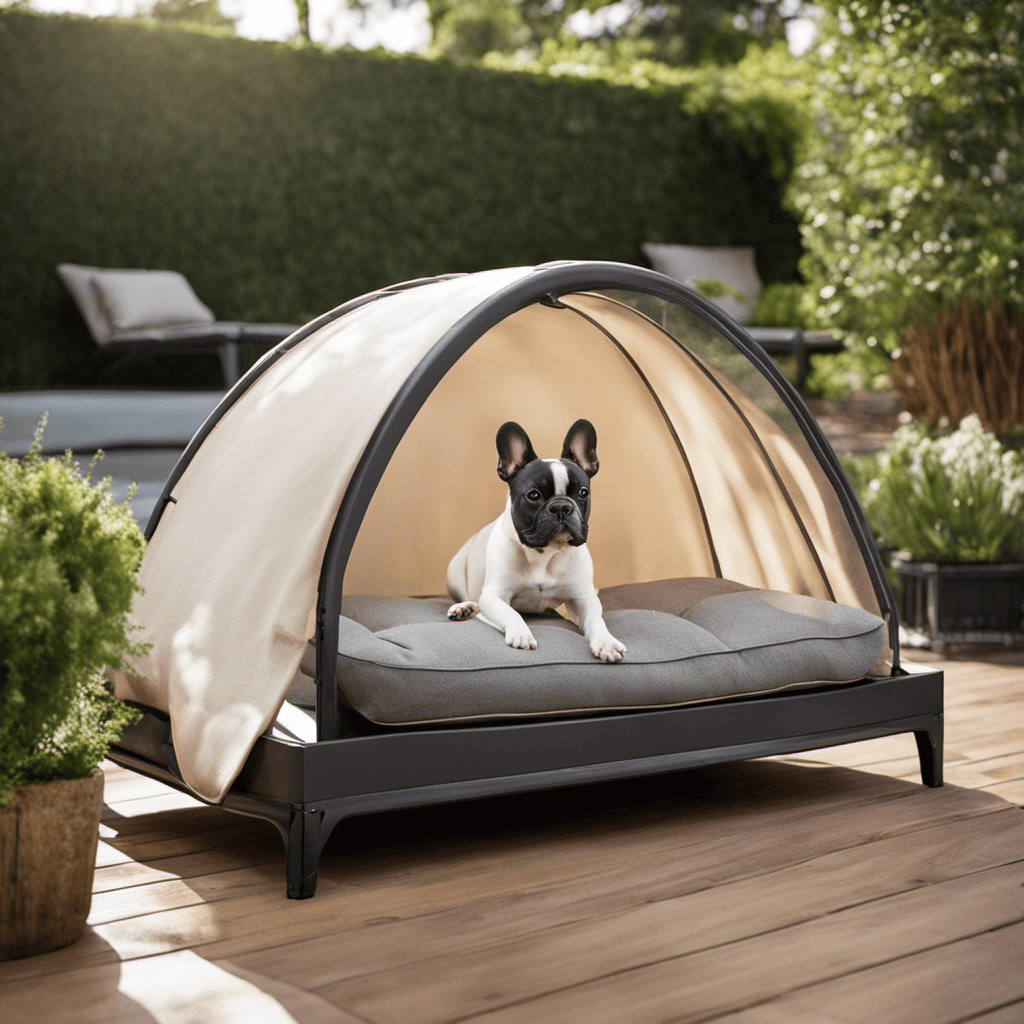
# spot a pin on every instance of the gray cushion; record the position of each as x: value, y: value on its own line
x: 402, y: 662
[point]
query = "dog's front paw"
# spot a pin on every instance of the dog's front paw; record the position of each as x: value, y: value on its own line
x: 464, y: 610
x: 607, y: 648
x: 521, y: 637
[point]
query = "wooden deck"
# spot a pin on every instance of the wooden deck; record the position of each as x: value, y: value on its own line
x: 825, y: 889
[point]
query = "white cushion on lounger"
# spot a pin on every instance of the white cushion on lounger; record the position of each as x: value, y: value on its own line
x: 136, y: 299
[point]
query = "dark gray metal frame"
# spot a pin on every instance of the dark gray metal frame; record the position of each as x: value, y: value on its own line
x: 355, y: 767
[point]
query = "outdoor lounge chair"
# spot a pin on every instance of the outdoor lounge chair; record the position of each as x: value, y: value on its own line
x: 297, y: 671
x: 736, y: 267
x: 129, y: 312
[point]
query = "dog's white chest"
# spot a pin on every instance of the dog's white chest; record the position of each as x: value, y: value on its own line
x: 541, y: 584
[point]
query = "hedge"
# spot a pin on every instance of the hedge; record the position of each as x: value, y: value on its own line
x: 284, y: 180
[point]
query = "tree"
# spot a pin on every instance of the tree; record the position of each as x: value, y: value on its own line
x: 302, y: 8
x: 677, y: 32
x: 912, y: 193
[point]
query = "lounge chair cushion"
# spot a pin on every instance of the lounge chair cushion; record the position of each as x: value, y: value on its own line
x: 733, y: 266
x: 402, y: 662
x: 136, y: 299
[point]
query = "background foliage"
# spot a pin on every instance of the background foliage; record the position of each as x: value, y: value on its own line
x: 672, y: 32
x: 968, y: 356
x: 284, y: 180
x: 68, y: 556
x: 912, y: 191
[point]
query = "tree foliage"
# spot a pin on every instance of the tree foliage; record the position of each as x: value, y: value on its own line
x: 192, y: 12
x: 912, y: 192
x: 674, y: 32
x: 68, y: 558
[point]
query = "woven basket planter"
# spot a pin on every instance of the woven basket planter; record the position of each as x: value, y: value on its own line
x: 48, y: 837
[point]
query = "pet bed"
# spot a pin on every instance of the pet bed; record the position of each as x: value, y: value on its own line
x: 401, y: 662
x: 355, y: 459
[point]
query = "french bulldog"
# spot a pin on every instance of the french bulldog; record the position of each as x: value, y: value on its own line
x: 534, y: 557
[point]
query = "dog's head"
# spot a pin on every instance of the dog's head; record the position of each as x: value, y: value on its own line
x: 550, y: 497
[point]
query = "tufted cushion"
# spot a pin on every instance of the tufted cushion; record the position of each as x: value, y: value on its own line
x: 401, y: 661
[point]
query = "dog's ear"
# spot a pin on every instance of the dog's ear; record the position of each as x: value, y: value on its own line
x: 514, y: 450
x: 581, y: 446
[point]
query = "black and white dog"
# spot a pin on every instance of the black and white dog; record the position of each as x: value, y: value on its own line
x: 534, y: 556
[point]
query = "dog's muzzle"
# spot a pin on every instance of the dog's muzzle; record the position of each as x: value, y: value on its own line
x: 560, y: 519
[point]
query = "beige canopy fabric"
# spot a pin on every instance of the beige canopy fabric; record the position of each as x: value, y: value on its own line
x: 702, y: 474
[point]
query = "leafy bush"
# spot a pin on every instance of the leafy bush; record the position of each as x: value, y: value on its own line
x: 953, y: 498
x: 282, y: 181
x: 965, y: 357
x: 68, y: 558
x: 912, y: 192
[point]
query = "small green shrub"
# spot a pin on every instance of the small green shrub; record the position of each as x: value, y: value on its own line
x: 953, y: 498
x: 68, y: 560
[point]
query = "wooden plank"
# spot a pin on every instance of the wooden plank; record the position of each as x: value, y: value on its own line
x: 166, y: 822
x: 1012, y: 1013
x: 126, y: 785
x: 600, y: 880
x: 176, y: 987
x: 944, y: 985
x: 981, y: 746
x: 753, y: 970
x: 644, y: 883
x: 145, y: 805
x: 137, y: 900
x: 156, y: 844
x: 1011, y: 791
x: 965, y: 772
x: 778, y: 1012
x: 630, y: 868
x: 714, y: 805
x: 236, y: 848
x: 303, y: 1006
x: 463, y: 983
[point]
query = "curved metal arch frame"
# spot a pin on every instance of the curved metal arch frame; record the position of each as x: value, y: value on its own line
x: 546, y: 283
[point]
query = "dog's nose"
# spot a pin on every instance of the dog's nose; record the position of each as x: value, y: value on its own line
x: 562, y: 509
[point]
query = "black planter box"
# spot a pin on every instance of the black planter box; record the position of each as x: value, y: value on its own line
x: 975, y: 603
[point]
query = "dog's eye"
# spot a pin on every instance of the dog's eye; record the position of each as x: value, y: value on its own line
x: 533, y: 495
x: 583, y: 492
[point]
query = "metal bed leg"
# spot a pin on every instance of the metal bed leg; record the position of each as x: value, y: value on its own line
x: 929, y: 750
x: 302, y: 851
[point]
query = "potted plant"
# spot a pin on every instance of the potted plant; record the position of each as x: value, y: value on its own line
x: 68, y: 560
x: 951, y: 507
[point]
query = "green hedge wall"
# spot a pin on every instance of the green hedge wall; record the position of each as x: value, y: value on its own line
x: 282, y: 181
